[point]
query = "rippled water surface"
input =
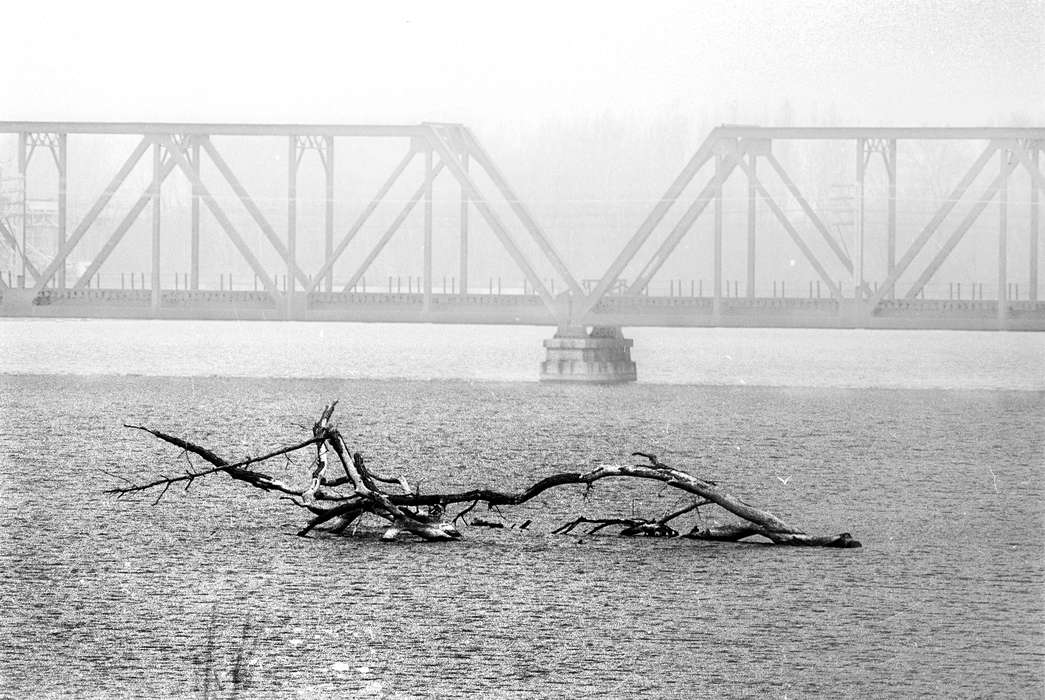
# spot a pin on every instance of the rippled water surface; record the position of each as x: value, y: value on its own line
x: 734, y: 356
x: 123, y: 598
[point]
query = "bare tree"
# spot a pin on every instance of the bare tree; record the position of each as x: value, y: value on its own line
x: 336, y: 502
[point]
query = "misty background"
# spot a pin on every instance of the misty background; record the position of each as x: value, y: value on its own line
x: 590, y: 109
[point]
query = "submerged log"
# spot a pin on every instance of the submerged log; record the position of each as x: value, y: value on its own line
x: 338, y: 502
x: 735, y: 533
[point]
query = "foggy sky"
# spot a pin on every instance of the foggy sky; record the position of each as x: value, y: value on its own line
x: 591, y: 108
x: 921, y: 62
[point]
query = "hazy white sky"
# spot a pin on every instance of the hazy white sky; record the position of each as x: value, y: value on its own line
x: 920, y: 62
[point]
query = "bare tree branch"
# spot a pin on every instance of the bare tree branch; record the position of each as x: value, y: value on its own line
x: 403, y: 511
x: 234, y: 469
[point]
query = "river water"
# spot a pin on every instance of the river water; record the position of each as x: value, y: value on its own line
x: 927, y: 447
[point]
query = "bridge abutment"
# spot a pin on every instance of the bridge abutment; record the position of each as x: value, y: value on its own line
x: 600, y: 357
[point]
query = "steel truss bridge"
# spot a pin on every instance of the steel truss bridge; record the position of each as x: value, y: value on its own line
x: 844, y: 290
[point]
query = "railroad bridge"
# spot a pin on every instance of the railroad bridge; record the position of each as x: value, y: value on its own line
x: 861, y: 267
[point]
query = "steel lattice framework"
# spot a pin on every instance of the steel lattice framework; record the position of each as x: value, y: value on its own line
x: 444, y: 147
x: 732, y: 149
x: 893, y: 300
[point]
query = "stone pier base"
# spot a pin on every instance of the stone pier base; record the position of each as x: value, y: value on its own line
x: 601, y: 357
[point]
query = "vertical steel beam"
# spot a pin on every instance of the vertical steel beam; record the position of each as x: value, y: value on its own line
x: 809, y: 211
x: 858, y: 267
x: 12, y: 241
x: 23, y: 163
x: 362, y: 219
x: 387, y: 236
x: 178, y: 158
x: 92, y: 214
x: 684, y: 224
x: 716, y: 304
x: 948, y: 204
x: 702, y: 156
x: 121, y: 229
x: 483, y: 159
x: 493, y: 220
x: 1024, y: 157
x: 255, y: 212
x: 62, y: 162
x: 463, y: 272
x: 194, y: 244
x: 890, y: 164
x: 1036, y: 150
x: 328, y: 241
x: 1003, y: 240
x: 751, y: 213
x: 292, y: 220
x: 157, y: 179
x: 963, y: 227
x: 428, y: 232
x: 793, y: 233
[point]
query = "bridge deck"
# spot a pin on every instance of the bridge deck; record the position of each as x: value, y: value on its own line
x: 519, y: 309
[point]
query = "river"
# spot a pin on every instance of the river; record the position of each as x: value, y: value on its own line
x: 928, y: 447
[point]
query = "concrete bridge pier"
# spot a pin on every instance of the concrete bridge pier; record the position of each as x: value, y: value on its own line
x: 602, y: 356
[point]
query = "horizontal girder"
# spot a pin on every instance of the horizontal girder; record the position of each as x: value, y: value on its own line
x: 516, y: 309
x: 738, y: 131
x: 400, y: 130
x: 170, y: 128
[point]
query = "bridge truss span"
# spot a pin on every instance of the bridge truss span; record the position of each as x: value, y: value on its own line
x: 727, y: 244
x: 857, y: 280
x: 193, y: 151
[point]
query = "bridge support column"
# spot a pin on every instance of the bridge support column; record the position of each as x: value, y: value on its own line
x: 600, y: 357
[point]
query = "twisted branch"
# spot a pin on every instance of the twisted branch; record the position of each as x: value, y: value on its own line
x: 403, y: 511
x: 235, y: 470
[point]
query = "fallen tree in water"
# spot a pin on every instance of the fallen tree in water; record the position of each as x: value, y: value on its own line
x: 336, y: 502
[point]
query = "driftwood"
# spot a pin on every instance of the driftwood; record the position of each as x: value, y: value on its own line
x: 336, y: 502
